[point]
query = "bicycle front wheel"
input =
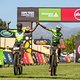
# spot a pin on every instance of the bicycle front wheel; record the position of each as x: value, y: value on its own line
x: 20, y: 69
x: 53, y: 66
x: 17, y: 64
x: 16, y: 57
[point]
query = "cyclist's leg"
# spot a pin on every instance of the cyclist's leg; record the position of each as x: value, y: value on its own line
x: 50, y: 58
x: 50, y: 62
x: 22, y: 50
x: 51, y: 53
x: 55, y: 55
x: 59, y: 52
x: 16, y: 44
x: 13, y: 52
x: 55, y: 60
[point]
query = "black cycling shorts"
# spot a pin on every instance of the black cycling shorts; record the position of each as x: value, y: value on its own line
x: 17, y: 44
x: 55, y: 43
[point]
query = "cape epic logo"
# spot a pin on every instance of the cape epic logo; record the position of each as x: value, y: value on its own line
x: 77, y: 14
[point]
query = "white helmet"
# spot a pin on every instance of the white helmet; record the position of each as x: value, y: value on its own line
x: 58, y: 28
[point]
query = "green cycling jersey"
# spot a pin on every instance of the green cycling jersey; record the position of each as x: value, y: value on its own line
x: 54, y: 32
x: 19, y: 35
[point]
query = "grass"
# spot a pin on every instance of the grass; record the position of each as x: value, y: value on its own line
x: 65, y: 71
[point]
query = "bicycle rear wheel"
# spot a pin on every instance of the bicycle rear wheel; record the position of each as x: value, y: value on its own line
x: 15, y: 70
x: 53, y: 66
x: 20, y: 69
x: 17, y: 65
x: 16, y: 57
x: 52, y: 69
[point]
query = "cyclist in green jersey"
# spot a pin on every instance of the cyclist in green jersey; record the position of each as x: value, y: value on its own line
x: 56, y: 35
x: 19, y: 33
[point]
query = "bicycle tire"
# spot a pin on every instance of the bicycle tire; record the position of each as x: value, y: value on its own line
x: 16, y: 60
x: 15, y: 70
x: 20, y: 70
x: 55, y: 71
x: 52, y: 69
x: 53, y: 66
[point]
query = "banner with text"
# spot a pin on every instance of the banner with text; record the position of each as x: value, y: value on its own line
x: 70, y: 14
x: 48, y: 14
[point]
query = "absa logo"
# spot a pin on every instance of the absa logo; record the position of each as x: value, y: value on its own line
x: 77, y: 14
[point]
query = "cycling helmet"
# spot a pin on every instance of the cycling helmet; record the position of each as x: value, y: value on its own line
x: 19, y: 25
x: 58, y: 28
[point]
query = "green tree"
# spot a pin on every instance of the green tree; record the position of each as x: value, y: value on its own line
x: 2, y: 24
x: 78, y: 34
x: 70, y: 43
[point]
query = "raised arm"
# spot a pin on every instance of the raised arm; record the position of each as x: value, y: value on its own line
x: 44, y: 27
x: 34, y: 27
x: 7, y: 26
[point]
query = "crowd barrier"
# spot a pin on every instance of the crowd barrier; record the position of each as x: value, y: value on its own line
x: 1, y: 57
x: 7, y: 58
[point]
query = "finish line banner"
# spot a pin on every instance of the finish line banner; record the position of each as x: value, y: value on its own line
x: 48, y: 14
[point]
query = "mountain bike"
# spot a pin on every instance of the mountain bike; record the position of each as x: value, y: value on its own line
x: 53, y: 59
x: 55, y: 55
x: 18, y: 55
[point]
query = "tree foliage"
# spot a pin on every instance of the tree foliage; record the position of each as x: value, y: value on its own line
x: 70, y: 43
x: 2, y: 24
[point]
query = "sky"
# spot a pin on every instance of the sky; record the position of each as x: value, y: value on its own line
x: 8, y: 8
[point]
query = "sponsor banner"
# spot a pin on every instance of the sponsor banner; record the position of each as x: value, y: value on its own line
x: 49, y: 14
x: 27, y: 14
x: 1, y: 57
x: 42, y: 41
x: 8, y: 57
x: 70, y: 14
x: 25, y: 59
x: 4, y: 33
